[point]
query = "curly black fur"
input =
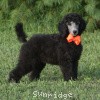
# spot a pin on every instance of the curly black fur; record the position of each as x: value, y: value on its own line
x: 51, y: 48
x: 20, y: 32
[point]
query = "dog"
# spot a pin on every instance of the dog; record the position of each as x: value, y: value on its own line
x: 54, y: 49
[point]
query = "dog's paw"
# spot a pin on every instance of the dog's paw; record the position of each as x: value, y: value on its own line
x: 13, y: 78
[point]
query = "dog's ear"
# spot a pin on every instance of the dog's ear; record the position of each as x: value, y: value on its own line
x: 82, y: 25
x: 62, y: 27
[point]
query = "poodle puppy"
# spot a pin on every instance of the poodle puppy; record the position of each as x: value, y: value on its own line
x: 51, y: 48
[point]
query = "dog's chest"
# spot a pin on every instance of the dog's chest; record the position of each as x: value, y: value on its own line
x: 70, y: 50
x: 75, y: 51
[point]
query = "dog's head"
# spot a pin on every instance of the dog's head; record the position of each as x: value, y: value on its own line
x: 72, y: 23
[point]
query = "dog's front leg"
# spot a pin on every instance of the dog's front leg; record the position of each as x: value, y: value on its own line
x: 66, y: 69
x: 75, y: 70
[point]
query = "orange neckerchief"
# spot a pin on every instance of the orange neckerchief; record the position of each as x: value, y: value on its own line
x: 75, y: 39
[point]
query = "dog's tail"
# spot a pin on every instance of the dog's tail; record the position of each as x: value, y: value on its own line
x: 20, y: 32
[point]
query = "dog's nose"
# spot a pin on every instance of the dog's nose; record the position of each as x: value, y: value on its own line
x: 75, y: 31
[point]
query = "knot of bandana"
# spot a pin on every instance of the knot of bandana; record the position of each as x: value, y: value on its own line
x: 75, y: 39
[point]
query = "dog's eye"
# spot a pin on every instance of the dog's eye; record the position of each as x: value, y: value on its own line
x: 78, y: 23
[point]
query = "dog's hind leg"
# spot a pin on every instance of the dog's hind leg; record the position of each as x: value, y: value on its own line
x: 36, y: 71
x: 24, y: 65
x: 20, y: 70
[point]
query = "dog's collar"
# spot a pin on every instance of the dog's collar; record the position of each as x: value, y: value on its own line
x: 75, y: 39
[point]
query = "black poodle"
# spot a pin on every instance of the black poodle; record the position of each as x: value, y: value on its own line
x: 54, y: 49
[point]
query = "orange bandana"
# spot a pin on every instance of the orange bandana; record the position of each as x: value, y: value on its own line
x: 76, y: 39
